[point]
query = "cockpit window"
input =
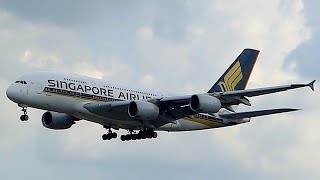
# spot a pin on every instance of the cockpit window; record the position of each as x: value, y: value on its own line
x: 21, y: 82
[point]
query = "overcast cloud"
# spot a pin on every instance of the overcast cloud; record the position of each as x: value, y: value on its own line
x: 178, y: 46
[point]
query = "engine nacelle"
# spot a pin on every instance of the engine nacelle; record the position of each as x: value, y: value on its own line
x: 203, y: 103
x: 143, y: 110
x: 54, y: 120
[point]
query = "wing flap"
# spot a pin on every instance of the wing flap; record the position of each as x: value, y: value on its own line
x: 241, y: 115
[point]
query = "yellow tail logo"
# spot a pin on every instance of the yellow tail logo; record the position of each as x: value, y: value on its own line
x: 232, y: 78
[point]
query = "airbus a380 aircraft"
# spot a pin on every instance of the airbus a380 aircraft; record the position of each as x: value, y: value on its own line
x: 69, y: 98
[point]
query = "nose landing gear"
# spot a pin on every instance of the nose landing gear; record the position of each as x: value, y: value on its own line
x: 25, y: 116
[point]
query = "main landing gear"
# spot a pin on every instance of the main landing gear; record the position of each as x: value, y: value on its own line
x: 141, y: 135
x: 110, y: 135
x: 24, y: 117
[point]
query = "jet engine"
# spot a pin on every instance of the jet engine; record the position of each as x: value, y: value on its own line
x: 203, y: 103
x: 143, y: 110
x: 57, y: 121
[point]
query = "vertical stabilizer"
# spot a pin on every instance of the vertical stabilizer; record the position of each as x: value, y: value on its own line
x: 237, y: 75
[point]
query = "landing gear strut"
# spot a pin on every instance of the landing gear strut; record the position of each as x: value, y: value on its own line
x: 110, y: 135
x: 144, y: 134
x: 24, y: 117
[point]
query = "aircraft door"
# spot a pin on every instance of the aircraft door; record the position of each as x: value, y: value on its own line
x: 38, y: 88
x: 24, y: 89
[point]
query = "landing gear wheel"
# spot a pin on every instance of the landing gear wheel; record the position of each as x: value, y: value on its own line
x: 123, y: 137
x: 134, y: 137
x: 110, y: 135
x: 114, y: 135
x: 149, y: 136
x: 24, y: 117
x: 143, y: 136
x: 154, y: 135
x: 128, y: 137
x: 139, y: 136
x: 104, y: 137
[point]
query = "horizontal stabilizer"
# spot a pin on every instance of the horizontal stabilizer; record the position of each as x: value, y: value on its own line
x: 241, y: 115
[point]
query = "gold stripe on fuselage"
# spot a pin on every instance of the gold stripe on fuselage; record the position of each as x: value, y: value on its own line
x: 75, y: 97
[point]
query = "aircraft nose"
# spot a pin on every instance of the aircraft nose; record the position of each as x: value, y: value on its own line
x: 11, y: 93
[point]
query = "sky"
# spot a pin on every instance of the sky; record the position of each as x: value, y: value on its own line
x: 182, y: 47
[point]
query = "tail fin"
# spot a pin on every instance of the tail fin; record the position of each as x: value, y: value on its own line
x: 237, y: 75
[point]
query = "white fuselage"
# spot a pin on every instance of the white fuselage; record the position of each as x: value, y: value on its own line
x: 66, y: 93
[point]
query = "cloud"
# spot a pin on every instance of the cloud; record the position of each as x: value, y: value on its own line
x: 40, y: 62
x: 145, y: 34
x: 88, y: 69
x: 147, y: 80
x: 305, y: 54
x: 31, y: 46
x: 63, y: 13
x: 276, y: 29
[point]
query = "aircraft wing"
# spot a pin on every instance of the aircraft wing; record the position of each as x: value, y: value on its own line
x: 235, y: 97
x: 241, y: 115
x: 267, y: 90
x: 176, y: 107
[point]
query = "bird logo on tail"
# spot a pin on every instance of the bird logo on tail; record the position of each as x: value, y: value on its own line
x: 232, y: 78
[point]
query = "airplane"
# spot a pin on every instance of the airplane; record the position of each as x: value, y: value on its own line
x: 68, y: 98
